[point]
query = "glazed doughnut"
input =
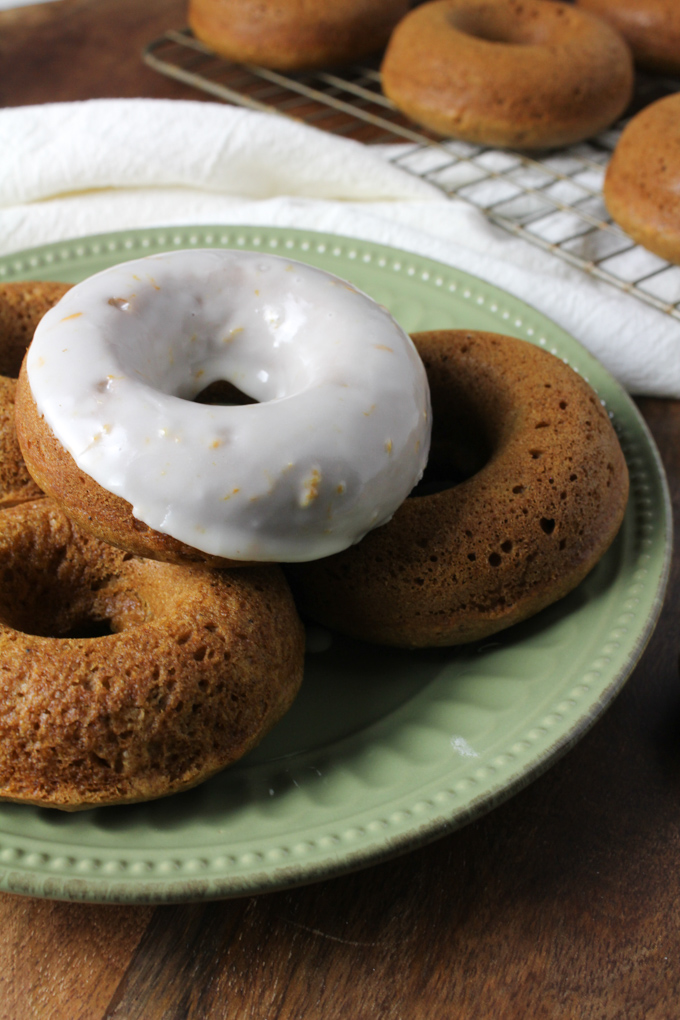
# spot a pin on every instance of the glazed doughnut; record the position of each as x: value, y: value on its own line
x: 465, y: 562
x: 193, y: 667
x: 520, y: 73
x: 22, y: 305
x: 650, y: 27
x: 291, y: 35
x: 340, y: 436
x: 642, y: 183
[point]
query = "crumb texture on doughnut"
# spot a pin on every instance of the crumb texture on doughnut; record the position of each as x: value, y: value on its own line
x: 521, y: 532
x: 193, y: 667
x: 518, y: 73
x: 16, y: 485
x: 650, y: 27
x: 291, y: 35
x: 22, y: 305
x: 642, y: 183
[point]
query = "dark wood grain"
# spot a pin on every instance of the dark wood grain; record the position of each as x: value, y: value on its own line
x: 562, y: 903
x: 84, y: 49
x: 61, y: 960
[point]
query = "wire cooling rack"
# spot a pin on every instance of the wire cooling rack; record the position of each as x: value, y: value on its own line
x: 554, y: 200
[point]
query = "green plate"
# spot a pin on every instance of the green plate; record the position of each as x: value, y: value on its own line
x: 385, y: 749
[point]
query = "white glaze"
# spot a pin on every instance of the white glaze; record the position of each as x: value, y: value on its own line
x: 338, y: 440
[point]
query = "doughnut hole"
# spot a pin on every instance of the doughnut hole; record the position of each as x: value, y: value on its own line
x: 499, y: 24
x: 57, y: 582
x: 223, y: 392
x: 461, y: 445
x: 193, y: 666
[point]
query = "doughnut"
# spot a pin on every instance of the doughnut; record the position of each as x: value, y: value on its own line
x: 291, y: 35
x: 126, y: 679
x: 650, y: 27
x: 545, y: 497
x: 520, y: 73
x: 642, y: 183
x: 338, y: 439
x: 22, y: 305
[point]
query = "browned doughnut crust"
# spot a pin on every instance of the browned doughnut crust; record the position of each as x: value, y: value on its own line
x: 16, y: 485
x: 200, y: 665
x: 642, y: 184
x: 650, y: 27
x: 91, y: 507
x: 519, y: 73
x: 291, y: 35
x: 22, y: 306
x: 465, y: 562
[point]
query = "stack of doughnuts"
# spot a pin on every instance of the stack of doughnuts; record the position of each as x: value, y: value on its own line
x: 123, y: 679
x: 134, y: 664
x: 148, y: 636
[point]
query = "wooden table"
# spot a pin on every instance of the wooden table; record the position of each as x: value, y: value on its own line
x: 563, y: 902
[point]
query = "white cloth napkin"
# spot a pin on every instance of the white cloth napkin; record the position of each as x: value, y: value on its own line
x: 70, y: 169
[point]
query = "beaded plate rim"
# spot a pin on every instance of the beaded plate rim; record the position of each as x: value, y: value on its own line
x: 34, y: 867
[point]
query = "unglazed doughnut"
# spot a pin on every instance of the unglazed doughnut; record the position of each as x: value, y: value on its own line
x: 650, y: 27
x: 465, y: 562
x: 294, y: 34
x: 339, y: 438
x: 642, y: 183
x: 519, y: 73
x: 22, y: 305
x: 198, y: 666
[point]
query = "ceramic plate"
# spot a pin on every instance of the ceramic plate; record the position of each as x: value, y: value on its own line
x: 384, y: 750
